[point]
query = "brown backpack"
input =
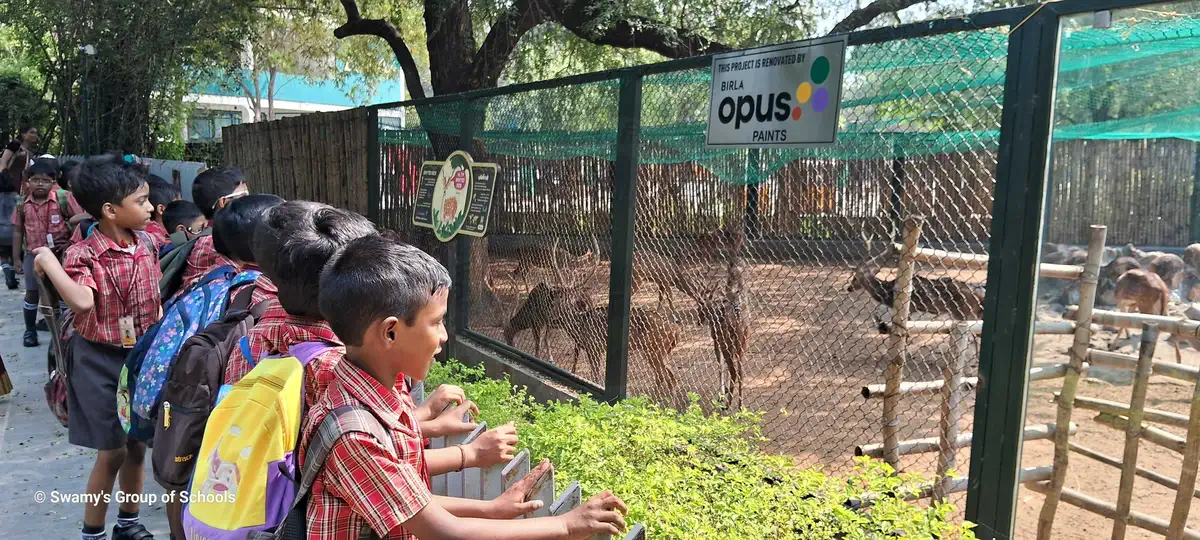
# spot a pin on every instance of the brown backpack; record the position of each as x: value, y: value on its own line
x: 190, y: 393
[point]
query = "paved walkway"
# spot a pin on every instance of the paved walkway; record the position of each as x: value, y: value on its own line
x: 35, y: 455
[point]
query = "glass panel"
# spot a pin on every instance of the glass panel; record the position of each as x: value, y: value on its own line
x: 1124, y: 155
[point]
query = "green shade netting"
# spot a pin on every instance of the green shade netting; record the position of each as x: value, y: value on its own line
x: 941, y: 94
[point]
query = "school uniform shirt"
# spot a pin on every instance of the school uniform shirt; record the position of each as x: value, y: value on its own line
x: 201, y: 260
x: 158, y: 233
x: 124, y: 283
x: 264, y: 289
x: 38, y: 219
x: 275, y: 334
x: 380, y: 484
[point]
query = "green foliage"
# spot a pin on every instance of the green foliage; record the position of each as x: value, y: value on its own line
x: 693, y: 475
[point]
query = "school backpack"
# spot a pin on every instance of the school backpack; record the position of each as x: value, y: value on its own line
x: 245, y: 485
x: 174, y: 265
x: 149, y: 362
x: 191, y: 390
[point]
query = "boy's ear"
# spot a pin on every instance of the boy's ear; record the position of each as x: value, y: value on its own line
x: 108, y: 211
x: 159, y: 209
x: 390, y: 328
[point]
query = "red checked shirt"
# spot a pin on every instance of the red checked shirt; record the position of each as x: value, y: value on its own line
x: 158, y: 233
x: 275, y: 334
x: 38, y: 219
x: 380, y: 484
x: 201, y: 260
x: 124, y: 282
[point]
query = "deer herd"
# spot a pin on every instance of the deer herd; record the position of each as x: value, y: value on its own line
x: 1130, y: 280
x: 566, y: 303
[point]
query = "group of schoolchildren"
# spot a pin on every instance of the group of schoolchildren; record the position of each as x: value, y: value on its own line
x: 313, y: 275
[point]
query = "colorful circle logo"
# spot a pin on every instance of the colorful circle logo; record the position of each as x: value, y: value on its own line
x: 818, y: 98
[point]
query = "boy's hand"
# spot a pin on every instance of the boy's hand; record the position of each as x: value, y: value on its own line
x: 514, y: 503
x: 602, y: 514
x: 493, y: 447
x: 450, y: 422
x: 443, y: 396
x: 41, y: 257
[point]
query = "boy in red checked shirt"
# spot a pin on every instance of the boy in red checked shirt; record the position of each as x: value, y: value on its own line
x: 162, y: 193
x: 39, y: 221
x: 211, y: 191
x: 110, y: 282
x: 388, y: 301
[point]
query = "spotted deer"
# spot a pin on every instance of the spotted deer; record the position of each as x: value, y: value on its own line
x: 671, y: 272
x: 723, y: 310
x: 538, y: 312
x: 650, y: 333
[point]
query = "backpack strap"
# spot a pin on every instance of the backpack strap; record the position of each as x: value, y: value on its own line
x: 340, y: 421
x: 241, y: 301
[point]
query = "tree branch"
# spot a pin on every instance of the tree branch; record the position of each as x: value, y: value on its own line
x: 358, y: 26
x: 863, y: 16
x: 634, y: 32
x: 502, y: 40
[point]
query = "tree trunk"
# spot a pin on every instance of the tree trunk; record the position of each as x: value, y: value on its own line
x: 271, y: 94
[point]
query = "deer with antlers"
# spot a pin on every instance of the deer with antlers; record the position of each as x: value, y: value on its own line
x: 673, y: 272
x: 554, y: 258
x: 941, y: 296
x: 538, y: 312
x: 724, y: 312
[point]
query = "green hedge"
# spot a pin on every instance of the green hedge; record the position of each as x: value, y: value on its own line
x: 693, y: 475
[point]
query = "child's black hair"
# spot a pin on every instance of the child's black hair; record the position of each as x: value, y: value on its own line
x: 161, y: 192
x: 180, y: 213
x: 105, y: 179
x: 41, y: 167
x: 375, y: 278
x: 213, y: 184
x: 65, y: 172
x: 233, y: 226
x: 295, y: 243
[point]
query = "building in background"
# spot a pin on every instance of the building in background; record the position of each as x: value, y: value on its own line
x: 219, y: 105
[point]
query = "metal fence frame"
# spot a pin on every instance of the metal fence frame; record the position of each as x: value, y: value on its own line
x: 1015, y: 236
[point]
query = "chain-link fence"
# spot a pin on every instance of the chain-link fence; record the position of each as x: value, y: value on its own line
x: 758, y: 278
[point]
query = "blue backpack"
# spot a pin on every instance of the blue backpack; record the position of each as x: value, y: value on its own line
x: 148, y: 364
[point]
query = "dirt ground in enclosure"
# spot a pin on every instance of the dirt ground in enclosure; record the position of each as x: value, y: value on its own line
x: 814, y: 346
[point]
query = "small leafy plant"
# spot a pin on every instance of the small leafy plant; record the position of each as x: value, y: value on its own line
x: 691, y: 475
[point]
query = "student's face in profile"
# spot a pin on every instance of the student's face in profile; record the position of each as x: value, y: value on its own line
x: 419, y: 343
x: 134, y: 210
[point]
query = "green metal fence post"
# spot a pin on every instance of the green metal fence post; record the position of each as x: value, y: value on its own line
x: 1195, y: 214
x: 624, y: 200
x: 375, y: 175
x: 1012, y: 273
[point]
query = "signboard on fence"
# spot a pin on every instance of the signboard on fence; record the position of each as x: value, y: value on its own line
x: 780, y: 96
x: 455, y: 196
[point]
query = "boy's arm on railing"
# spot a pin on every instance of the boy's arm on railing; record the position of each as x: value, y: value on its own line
x: 78, y: 297
x: 602, y: 514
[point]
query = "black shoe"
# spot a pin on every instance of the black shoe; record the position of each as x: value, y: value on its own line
x: 132, y: 532
x: 31, y: 339
x: 43, y: 326
x: 10, y: 279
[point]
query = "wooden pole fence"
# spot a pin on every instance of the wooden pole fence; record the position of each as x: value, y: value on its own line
x: 1187, y: 476
x: 1149, y: 433
x: 1128, y: 362
x: 976, y: 327
x: 932, y: 444
x: 898, y: 342
x: 1133, y: 429
x: 1109, y: 510
x: 1117, y: 408
x: 1078, y: 355
x: 1162, y: 480
x: 980, y: 262
x: 1037, y: 373
x: 952, y: 400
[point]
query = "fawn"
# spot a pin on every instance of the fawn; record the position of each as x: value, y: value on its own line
x: 1147, y: 293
